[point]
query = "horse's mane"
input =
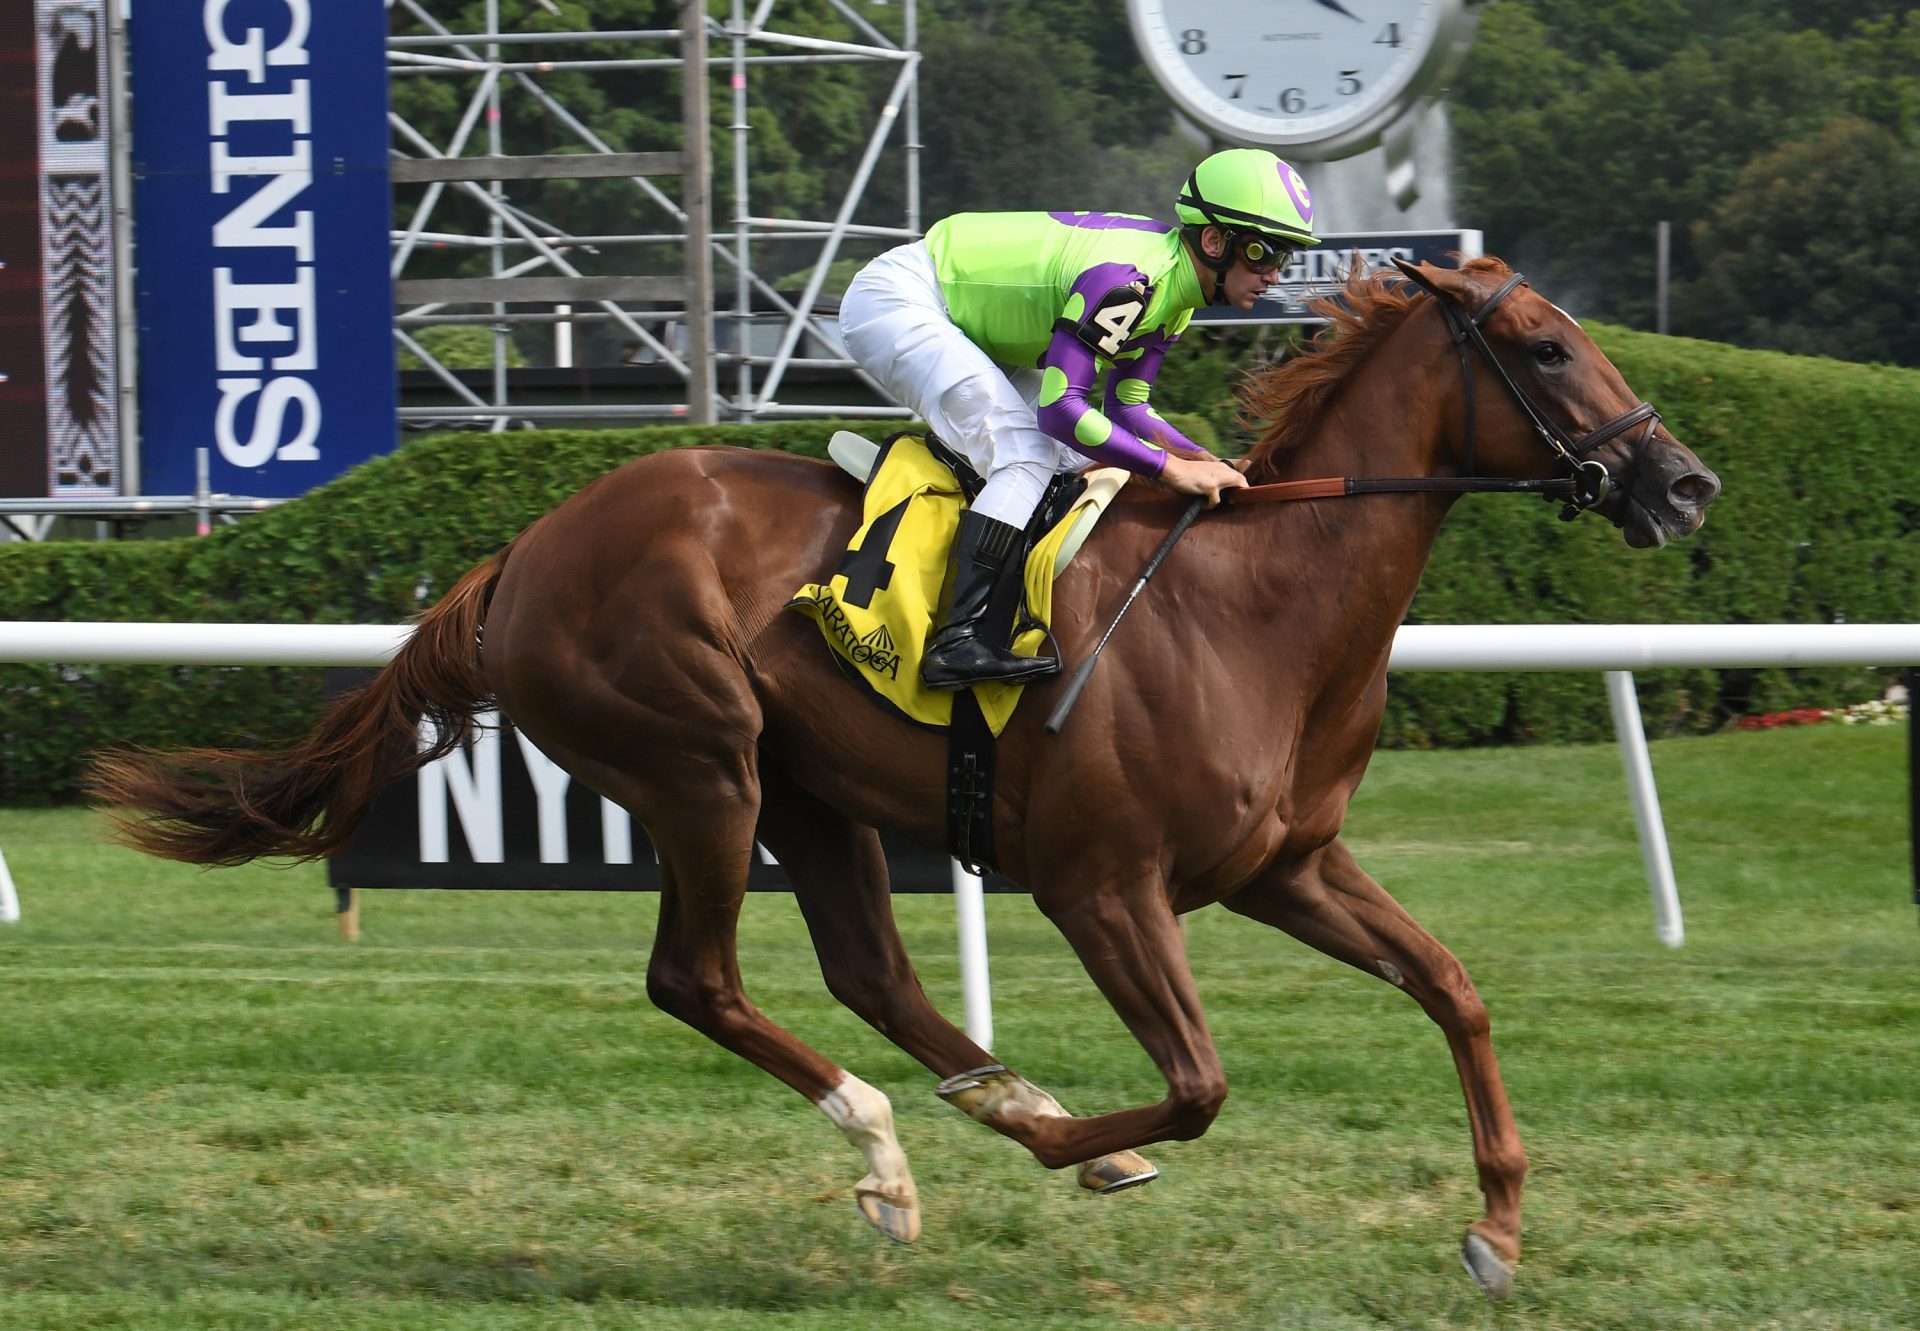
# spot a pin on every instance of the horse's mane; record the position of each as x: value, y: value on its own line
x: 1283, y: 401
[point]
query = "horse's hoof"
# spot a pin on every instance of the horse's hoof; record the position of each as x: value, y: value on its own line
x: 1117, y: 1172
x: 980, y: 1094
x: 896, y: 1217
x: 1492, y: 1272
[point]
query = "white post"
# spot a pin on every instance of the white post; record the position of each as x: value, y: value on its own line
x: 9, y: 899
x: 976, y: 988
x: 1646, y: 807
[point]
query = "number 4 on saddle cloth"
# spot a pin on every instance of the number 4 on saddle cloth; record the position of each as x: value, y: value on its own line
x: 877, y: 610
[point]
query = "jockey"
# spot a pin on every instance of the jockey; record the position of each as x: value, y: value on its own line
x: 995, y: 326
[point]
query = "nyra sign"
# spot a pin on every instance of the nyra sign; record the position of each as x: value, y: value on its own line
x: 498, y: 813
x: 261, y: 226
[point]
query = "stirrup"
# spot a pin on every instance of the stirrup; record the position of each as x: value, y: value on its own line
x: 979, y: 663
x: 955, y: 683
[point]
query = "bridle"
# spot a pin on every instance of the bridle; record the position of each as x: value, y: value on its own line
x: 1585, y: 482
x: 1587, y: 477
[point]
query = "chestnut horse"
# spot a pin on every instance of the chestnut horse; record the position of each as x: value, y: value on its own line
x: 636, y: 635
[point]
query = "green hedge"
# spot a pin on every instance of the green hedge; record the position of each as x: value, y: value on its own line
x: 375, y: 546
x: 1819, y: 522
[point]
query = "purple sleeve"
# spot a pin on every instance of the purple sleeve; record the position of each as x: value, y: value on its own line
x: 1128, y: 386
x: 1096, y: 312
x: 1067, y: 374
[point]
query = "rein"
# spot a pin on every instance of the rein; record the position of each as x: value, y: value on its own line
x: 1585, y: 484
x: 1341, y: 487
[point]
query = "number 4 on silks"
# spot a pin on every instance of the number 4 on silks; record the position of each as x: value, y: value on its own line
x: 1111, y: 323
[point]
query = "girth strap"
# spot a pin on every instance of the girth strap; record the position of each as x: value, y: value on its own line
x: 970, y: 763
x: 971, y: 748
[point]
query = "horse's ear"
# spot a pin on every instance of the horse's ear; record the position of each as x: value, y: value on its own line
x: 1440, y: 283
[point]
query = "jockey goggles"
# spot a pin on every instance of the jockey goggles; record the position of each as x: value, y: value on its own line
x: 1263, y: 254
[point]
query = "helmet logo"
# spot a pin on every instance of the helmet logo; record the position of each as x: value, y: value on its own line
x: 1297, y: 191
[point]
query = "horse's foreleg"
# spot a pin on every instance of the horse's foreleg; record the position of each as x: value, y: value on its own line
x: 694, y: 975
x: 839, y: 876
x: 1330, y: 903
x: 1132, y: 948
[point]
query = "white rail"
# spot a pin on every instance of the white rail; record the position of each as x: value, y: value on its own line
x: 1613, y: 648
x: 202, y: 644
x: 1650, y: 646
x: 1478, y: 647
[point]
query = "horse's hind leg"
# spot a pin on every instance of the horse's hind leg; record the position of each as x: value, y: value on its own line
x: 1332, y: 904
x: 706, y: 849
x: 839, y: 877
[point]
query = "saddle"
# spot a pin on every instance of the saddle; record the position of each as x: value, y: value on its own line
x: 876, y: 611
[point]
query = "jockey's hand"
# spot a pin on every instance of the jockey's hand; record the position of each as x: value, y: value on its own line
x: 1201, y: 476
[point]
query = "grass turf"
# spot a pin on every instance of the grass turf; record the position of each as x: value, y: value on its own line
x: 215, y: 1115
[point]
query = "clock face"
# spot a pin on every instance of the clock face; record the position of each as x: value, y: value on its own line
x: 1289, y: 71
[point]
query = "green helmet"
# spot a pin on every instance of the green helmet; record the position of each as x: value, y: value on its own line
x: 1249, y: 189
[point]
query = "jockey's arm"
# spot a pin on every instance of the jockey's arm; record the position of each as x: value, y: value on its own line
x: 1102, y: 309
x: 1129, y: 386
x: 1099, y: 320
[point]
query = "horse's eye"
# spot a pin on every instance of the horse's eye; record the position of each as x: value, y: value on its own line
x: 1550, y: 353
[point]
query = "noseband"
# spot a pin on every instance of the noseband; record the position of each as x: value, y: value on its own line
x: 1587, y: 481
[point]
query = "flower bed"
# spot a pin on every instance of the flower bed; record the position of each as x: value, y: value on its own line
x: 1889, y: 711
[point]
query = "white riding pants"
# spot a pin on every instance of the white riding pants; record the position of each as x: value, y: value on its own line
x: 895, y: 324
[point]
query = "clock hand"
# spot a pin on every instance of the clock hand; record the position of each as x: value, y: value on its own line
x: 1339, y: 8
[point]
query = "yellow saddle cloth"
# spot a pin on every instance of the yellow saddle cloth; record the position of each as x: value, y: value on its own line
x: 877, y: 611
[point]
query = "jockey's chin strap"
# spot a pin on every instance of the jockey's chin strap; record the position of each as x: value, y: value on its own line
x: 1218, y: 267
x: 1586, y: 483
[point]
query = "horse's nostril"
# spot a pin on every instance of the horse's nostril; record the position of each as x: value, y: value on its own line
x: 1696, y: 489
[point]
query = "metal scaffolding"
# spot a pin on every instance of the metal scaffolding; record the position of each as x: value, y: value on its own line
x: 533, y: 279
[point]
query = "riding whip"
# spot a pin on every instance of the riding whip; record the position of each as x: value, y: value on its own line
x: 1071, y: 694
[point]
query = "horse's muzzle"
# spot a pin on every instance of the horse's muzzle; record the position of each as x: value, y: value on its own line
x: 1667, y: 497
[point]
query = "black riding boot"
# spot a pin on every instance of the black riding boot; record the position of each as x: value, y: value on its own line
x: 958, y: 657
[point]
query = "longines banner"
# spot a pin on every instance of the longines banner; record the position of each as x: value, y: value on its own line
x: 1320, y: 271
x: 59, y: 416
x: 261, y: 220
x: 500, y: 815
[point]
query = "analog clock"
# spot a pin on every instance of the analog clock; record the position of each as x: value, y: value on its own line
x: 1320, y: 79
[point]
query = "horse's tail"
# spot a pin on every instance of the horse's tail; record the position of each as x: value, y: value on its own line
x: 229, y: 806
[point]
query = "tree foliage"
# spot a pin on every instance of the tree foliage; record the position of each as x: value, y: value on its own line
x: 1849, y: 196
x: 1781, y: 139
x: 1041, y: 106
